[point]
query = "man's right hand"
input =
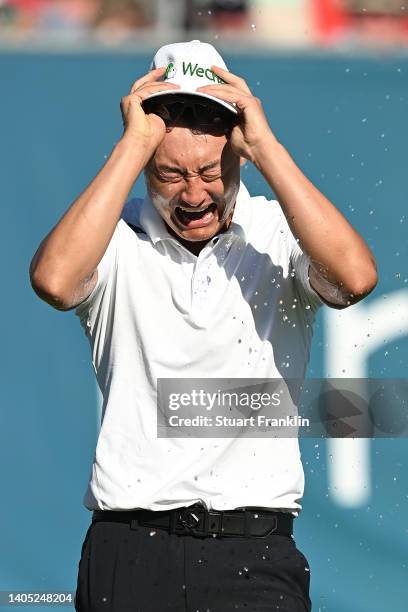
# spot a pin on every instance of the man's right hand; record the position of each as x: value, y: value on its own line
x: 147, y: 129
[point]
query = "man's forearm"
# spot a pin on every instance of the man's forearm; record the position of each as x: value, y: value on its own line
x: 340, y: 253
x: 75, y: 246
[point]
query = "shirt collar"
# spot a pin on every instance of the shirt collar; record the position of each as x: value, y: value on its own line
x: 155, y: 228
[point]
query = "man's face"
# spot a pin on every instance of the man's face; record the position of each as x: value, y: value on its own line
x: 193, y: 181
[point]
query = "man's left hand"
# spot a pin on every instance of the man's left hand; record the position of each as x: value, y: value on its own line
x: 252, y: 131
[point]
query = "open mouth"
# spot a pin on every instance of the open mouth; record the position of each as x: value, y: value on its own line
x: 193, y: 218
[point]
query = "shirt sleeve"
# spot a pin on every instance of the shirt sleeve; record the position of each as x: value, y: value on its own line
x: 87, y: 310
x: 299, y: 263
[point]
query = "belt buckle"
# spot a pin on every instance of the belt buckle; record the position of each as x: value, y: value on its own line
x: 189, y: 518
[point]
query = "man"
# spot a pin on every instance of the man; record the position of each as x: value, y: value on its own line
x: 199, y: 279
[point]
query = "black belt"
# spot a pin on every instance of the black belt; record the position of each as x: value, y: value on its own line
x: 198, y: 521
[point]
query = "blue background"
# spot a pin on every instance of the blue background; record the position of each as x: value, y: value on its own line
x: 344, y: 120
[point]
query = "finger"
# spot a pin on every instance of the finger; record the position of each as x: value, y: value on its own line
x: 229, y: 94
x: 231, y: 78
x: 152, y: 88
x: 226, y: 92
x: 221, y: 88
x: 153, y: 75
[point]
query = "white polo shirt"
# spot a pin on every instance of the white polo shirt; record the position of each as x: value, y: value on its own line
x: 242, y: 308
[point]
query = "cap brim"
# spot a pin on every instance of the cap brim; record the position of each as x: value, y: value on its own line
x: 196, y: 94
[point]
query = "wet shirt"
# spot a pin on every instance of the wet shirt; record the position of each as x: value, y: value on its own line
x: 243, y: 308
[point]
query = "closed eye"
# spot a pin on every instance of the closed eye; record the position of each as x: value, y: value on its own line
x: 169, y: 177
x: 211, y: 177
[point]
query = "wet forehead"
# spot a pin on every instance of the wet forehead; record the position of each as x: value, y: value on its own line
x: 180, y: 148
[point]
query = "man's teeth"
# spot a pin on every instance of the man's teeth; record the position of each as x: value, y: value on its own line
x: 194, y: 210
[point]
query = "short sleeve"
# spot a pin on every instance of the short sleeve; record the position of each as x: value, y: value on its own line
x: 300, y: 263
x: 88, y: 309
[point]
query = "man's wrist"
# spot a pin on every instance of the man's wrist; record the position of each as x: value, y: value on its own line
x: 264, y: 151
x: 135, y: 148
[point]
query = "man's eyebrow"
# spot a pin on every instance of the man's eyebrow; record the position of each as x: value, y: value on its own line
x: 166, y: 168
x: 210, y: 165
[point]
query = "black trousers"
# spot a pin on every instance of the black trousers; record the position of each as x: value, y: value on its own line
x: 146, y: 570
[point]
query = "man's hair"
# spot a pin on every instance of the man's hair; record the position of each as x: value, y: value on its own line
x: 200, y: 116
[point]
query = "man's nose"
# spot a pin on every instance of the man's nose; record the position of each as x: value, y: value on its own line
x: 193, y: 193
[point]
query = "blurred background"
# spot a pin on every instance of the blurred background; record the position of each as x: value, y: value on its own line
x: 332, y: 75
x: 266, y: 23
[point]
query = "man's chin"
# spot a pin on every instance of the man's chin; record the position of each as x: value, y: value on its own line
x: 197, y: 234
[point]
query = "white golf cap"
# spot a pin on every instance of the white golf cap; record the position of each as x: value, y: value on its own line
x: 188, y: 64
